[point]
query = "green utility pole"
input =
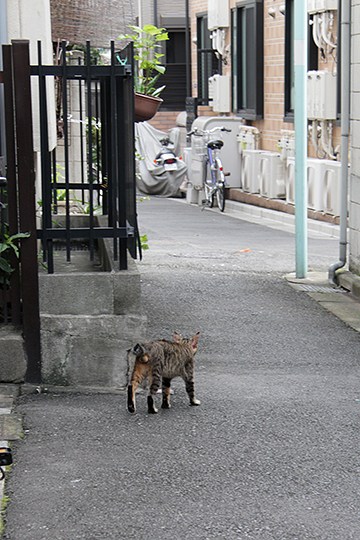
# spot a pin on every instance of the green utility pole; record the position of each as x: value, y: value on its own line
x: 300, y: 63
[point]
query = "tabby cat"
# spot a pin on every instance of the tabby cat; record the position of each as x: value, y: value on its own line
x: 161, y: 361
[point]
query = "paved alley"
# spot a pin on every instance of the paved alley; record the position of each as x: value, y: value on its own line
x: 271, y: 453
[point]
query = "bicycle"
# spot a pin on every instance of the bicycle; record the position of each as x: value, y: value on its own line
x: 214, y: 177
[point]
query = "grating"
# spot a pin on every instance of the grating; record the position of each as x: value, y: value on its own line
x: 318, y: 288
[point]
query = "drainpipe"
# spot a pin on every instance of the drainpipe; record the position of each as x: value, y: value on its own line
x: 140, y: 22
x: 3, y: 39
x: 345, y: 131
x: 155, y: 13
x: 187, y: 50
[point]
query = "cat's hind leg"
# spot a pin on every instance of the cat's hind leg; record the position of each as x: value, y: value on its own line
x: 139, y: 373
x: 166, y: 383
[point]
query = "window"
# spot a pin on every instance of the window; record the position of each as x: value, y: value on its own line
x: 248, y: 59
x: 289, y: 60
x: 207, y: 63
x: 174, y: 79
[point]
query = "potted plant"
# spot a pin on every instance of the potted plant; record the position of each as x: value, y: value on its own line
x: 147, y: 43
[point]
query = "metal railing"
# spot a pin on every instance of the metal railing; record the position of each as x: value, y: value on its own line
x: 103, y: 150
x: 104, y: 177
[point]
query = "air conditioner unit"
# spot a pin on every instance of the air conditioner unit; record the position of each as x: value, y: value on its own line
x: 271, y: 175
x: 247, y: 138
x: 218, y: 14
x: 287, y: 144
x: 321, y: 183
x: 315, y: 182
x: 250, y: 169
x: 290, y: 180
x: 318, y: 6
x: 321, y: 89
x: 332, y: 182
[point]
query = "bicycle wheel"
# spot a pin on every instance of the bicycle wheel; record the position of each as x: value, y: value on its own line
x: 220, y: 186
x: 208, y: 188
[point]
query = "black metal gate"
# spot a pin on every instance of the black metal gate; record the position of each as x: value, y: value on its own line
x: 92, y: 172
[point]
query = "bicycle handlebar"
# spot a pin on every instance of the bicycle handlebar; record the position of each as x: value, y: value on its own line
x: 197, y: 131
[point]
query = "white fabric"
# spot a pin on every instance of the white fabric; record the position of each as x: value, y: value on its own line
x: 153, y: 179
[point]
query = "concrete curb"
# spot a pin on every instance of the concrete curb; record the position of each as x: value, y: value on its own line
x: 337, y: 300
x: 276, y: 219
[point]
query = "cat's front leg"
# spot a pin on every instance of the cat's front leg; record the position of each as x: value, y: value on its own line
x: 166, y: 383
x: 190, y: 388
x: 151, y: 405
x: 154, y: 387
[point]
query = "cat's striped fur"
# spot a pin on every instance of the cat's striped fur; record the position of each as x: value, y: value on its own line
x: 161, y: 361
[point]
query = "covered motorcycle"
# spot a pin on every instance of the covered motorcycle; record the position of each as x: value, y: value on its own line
x: 159, y: 170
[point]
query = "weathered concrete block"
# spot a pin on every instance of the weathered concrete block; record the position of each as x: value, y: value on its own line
x: 88, y: 350
x: 88, y: 320
x: 127, y: 292
x: 76, y: 294
x: 12, y: 355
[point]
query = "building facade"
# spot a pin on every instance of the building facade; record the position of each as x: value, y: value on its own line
x: 249, y: 44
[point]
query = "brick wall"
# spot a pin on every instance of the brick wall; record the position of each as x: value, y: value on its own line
x: 274, y: 79
x: 164, y: 120
x: 96, y: 20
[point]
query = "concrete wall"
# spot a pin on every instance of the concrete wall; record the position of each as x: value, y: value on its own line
x: 31, y: 20
x: 88, y: 320
x: 354, y: 210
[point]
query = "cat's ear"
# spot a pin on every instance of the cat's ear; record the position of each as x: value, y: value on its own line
x: 195, y: 341
x: 138, y: 349
x: 177, y: 337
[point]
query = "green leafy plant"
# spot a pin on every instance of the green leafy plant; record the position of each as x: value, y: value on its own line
x: 8, y: 245
x: 144, y: 242
x: 147, y: 43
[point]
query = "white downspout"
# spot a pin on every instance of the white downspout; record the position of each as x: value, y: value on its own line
x: 345, y: 132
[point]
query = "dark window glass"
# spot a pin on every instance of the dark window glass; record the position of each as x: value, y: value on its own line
x: 289, y: 59
x: 208, y: 64
x: 174, y: 78
x: 248, y: 59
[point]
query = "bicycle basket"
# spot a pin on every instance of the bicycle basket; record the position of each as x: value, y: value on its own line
x: 198, y: 145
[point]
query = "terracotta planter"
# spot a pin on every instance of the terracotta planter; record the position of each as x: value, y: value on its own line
x: 146, y: 107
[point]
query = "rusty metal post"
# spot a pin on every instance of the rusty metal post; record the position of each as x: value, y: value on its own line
x: 27, y: 213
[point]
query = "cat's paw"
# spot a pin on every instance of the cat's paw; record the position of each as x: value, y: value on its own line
x: 151, y: 405
x: 154, y: 410
x: 165, y: 405
x: 195, y: 402
x: 131, y: 408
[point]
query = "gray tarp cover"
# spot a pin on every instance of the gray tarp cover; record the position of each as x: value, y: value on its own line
x: 153, y: 179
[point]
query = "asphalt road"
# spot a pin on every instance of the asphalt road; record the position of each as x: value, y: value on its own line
x: 272, y: 452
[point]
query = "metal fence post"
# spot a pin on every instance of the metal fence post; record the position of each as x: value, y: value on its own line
x: 11, y: 180
x: 26, y: 186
